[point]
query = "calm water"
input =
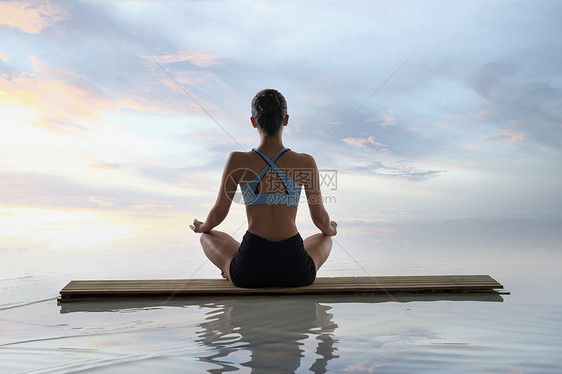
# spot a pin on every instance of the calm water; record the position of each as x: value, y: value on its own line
x: 517, y: 333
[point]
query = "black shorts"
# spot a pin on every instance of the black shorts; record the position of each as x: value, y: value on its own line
x: 263, y: 263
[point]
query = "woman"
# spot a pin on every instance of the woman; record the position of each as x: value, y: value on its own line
x: 272, y: 252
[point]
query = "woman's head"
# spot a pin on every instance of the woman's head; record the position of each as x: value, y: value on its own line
x: 269, y: 109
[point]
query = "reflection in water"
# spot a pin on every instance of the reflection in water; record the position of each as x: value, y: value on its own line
x: 266, y: 334
x: 272, y: 331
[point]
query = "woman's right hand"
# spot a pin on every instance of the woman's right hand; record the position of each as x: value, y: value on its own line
x: 334, y: 228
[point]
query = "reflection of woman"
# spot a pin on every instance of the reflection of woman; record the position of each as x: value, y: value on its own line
x: 272, y: 252
x: 276, y: 335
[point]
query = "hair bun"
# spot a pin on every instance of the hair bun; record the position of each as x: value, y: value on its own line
x: 268, y: 103
x: 269, y: 109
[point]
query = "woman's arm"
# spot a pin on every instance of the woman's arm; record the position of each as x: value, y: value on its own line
x: 224, y: 199
x: 318, y: 213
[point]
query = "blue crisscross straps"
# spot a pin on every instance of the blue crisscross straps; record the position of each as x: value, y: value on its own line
x: 292, y: 189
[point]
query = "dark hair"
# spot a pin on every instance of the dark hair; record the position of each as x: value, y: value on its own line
x: 269, y: 109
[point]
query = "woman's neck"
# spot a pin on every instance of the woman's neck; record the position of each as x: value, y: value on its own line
x: 271, y: 143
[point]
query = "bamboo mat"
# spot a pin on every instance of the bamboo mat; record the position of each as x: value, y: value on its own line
x: 80, y: 290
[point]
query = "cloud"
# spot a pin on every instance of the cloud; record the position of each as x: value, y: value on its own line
x: 54, y: 229
x: 388, y: 169
x: 157, y: 146
x: 151, y: 206
x: 175, y: 89
x: 57, y: 98
x: 100, y: 201
x: 38, y: 190
x: 516, y: 94
x: 513, y: 136
x: 483, y: 114
x: 65, y: 101
x: 404, y: 172
x: 100, y: 164
x: 505, y: 136
x: 198, y: 58
x: 388, y: 119
x: 30, y: 17
x: 365, y: 143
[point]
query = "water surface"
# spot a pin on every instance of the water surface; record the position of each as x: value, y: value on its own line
x: 517, y: 333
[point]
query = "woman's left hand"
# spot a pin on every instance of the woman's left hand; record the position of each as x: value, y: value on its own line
x: 197, y: 226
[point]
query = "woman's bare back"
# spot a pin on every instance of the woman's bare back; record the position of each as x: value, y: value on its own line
x: 271, y: 221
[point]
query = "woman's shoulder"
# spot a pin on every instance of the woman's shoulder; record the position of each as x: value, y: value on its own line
x: 239, y: 154
x: 239, y: 158
x: 303, y: 159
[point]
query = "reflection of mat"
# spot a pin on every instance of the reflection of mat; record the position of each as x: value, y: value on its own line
x: 103, y: 289
x: 117, y: 304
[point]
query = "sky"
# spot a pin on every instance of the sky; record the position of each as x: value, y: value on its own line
x: 441, y: 119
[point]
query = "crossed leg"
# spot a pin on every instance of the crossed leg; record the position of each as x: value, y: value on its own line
x: 220, y: 248
x: 318, y: 247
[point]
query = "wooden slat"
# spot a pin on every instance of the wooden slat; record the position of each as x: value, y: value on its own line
x: 88, y: 289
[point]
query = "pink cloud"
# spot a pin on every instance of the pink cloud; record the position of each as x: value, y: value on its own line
x: 389, y: 118
x: 57, y: 100
x: 199, y: 58
x: 483, y: 114
x: 512, y: 136
x: 363, y: 142
x: 100, y: 201
x: 60, y: 100
x: 30, y: 17
x: 505, y: 136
